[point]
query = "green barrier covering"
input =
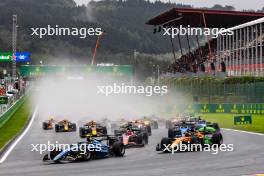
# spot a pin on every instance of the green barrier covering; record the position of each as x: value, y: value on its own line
x: 38, y: 70
x: 3, y: 99
x: 251, y: 108
x: 8, y: 114
x: 242, y: 120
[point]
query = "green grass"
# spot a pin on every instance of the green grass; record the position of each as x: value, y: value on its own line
x: 15, y: 123
x: 227, y: 121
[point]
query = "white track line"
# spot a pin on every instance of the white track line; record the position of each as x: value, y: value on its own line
x: 9, y: 150
x: 240, y: 131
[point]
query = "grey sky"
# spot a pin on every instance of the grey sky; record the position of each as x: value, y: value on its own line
x: 238, y: 4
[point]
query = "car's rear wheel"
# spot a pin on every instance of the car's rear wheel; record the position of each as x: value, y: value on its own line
x: 149, y: 130
x: 164, y: 143
x: 140, y: 139
x: 74, y: 127
x: 44, y: 125
x: 81, y: 132
x: 146, y: 138
x: 57, y: 128
x: 217, y: 138
x: 104, y: 130
x: 216, y: 126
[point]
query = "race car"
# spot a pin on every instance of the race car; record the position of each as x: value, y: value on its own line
x: 92, y: 129
x: 189, y: 123
x: 212, y: 134
x: 65, y: 126
x: 143, y: 126
x: 174, y: 121
x: 48, y: 125
x: 178, y: 130
x: 132, y: 136
x: 149, y: 121
x: 84, y: 151
x: 204, y: 136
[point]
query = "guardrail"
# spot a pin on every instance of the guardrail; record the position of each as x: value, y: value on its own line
x: 8, y: 110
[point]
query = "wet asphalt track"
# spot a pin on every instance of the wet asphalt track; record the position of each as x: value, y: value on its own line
x: 246, y: 159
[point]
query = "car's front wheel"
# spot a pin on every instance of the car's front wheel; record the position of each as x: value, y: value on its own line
x: 118, y: 149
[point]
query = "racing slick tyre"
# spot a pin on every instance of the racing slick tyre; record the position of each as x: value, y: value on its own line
x: 145, y: 138
x: 217, y: 138
x: 164, y: 142
x: 148, y: 129
x: 155, y: 125
x: 104, y: 130
x: 44, y: 125
x: 216, y: 126
x: 171, y: 133
x: 74, y: 127
x: 82, y: 132
x: 118, y: 149
x: 57, y: 128
x: 140, y: 139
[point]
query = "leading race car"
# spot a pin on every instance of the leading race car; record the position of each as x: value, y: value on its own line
x: 92, y: 129
x: 84, y: 151
x: 65, y: 126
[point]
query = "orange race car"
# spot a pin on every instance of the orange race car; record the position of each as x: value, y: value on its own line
x: 188, y: 138
x: 200, y: 136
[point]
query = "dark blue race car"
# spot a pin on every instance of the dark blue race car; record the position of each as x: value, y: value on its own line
x: 84, y: 151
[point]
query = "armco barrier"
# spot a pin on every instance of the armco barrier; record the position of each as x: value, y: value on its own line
x: 8, y: 114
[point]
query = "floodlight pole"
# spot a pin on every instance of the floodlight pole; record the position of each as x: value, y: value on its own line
x: 96, y: 46
x: 14, y: 42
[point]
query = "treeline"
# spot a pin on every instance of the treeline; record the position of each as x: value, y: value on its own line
x: 122, y: 20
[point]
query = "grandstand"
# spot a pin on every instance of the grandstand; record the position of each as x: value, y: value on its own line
x: 243, y: 52
x: 239, y: 54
